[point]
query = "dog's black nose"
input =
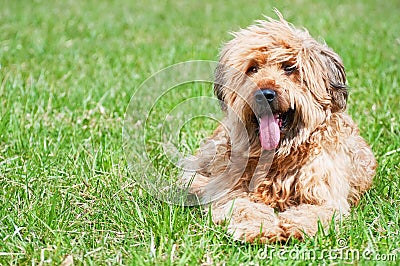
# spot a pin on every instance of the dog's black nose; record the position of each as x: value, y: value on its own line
x: 263, y: 94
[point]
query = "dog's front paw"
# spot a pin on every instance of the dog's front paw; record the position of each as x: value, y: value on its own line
x: 293, y: 230
x: 304, y: 219
x: 251, y: 231
x: 249, y: 221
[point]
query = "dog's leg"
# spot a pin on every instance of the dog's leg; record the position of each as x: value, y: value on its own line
x: 248, y: 221
x: 303, y: 219
x: 323, y: 188
x: 194, y: 181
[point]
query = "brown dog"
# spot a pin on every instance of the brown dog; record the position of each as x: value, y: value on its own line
x: 286, y: 156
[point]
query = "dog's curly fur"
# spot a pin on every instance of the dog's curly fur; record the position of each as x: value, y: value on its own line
x: 320, y: 166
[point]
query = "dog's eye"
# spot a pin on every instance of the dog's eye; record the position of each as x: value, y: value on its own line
x: 289, y: 69
x: 252, y: 70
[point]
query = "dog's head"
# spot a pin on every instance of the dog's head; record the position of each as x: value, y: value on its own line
x: 280, y: 81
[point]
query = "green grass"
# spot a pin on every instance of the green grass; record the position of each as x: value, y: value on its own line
x: 67, y: 72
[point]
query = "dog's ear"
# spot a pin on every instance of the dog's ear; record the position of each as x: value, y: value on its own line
x: 337, y: 87
x: 219, y: 85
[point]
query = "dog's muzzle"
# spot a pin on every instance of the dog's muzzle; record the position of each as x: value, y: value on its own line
x: 263, y: 95
x: 264, y: 102
x: 269, y: 123
x: 272, y: 122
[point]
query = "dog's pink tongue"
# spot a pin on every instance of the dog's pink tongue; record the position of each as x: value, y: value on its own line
x: 269, y: 132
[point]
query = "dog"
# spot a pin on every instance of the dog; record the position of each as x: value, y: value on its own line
x: 286, y: 158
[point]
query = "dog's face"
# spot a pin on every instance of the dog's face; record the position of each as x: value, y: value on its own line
x: 280, y: 82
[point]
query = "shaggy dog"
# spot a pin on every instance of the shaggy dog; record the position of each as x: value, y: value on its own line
x: 286, y: 157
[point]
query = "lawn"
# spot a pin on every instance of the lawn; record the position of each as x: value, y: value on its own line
x: 68, y: 70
